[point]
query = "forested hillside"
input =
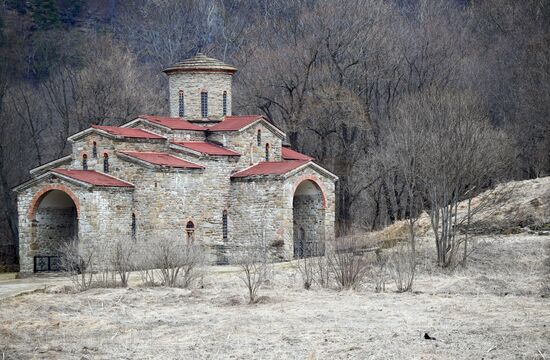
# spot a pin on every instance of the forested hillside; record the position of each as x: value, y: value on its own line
x: 396, y: 97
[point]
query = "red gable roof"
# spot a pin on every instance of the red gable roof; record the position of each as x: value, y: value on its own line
x: 174, y: 123
x: 162, y: 159
x: 93, y: 177
x: 270, y: 168
x: 235, y: 123
x: 289, y: 154
x: 128, y: 132
x: 206, y: 148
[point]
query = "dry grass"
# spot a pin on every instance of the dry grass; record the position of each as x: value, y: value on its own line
x: 493, y: 309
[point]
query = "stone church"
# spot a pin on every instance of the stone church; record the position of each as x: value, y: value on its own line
x: 201, y: 175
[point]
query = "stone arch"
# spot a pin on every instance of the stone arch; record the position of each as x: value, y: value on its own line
x: 308, y: 215
x: 37, y: 198
x: 314, y: 179
x: 53, y: 226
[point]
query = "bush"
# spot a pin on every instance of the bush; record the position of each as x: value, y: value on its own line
x: 402, y: 267
x: 379, y: 271
x: 79, y: 266
x: 178, y: 264
x: 122, y: 260
x: 255, y: 269
x: 347, y: 261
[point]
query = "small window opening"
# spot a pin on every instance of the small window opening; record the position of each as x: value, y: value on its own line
x: 105, y: 163
x: 84, y: 162
x: 259, y: 137
x: 94, y: 150
x: 266, y: 152
x: 133, y: 226
x: 224, y: 102
x: 204, y: 104
x: 181, y: 104
x: 190, y: 230
x: 224, y: 225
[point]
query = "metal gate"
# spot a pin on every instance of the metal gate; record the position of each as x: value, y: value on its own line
x: 47, y: 263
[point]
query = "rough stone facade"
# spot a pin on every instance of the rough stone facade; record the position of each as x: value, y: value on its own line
x: 193, y: 84
x: 164, y: 173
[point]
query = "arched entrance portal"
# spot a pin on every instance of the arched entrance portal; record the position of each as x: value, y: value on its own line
x: 55, y: 225
x: 309, y: 220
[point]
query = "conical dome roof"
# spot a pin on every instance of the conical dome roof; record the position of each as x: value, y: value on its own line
x: 200, y: 62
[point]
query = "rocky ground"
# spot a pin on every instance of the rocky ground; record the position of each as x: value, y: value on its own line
x: 494, y: 309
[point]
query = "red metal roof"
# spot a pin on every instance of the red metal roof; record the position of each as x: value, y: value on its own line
x: 289, y: 154
x: 174, y: 123
x: 270, y: 168
x: 128, y: 132
x: 206, y: 148
x: 162, y: 159
x: 93, y: 177
x: 234, y: 123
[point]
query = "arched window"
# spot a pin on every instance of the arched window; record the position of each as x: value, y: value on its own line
x: 259, y: 137
x: 105, y: 163
x: 84, y: 162
x: 224, y: 103
x: 94, y: 150
x: 190, y: 230
x: 133, y: 226
x: 224, y: 225
x: 204, y: 104
x: 181, y: 104
x: 266, y: 152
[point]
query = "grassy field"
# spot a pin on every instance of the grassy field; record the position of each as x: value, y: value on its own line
x: 491, y: 310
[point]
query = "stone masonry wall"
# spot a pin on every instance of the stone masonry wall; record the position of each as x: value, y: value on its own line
x: 165, y: 200
x: 102, y: 217
x: 54, y: 227
x: 109, y: 146
x: 309, y: 225
x: 181, y: 135
x: 192, y: 84
x: 246, y: 144
x: 260, y: 212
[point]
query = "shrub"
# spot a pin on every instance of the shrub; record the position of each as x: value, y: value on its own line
x: 402, y: 267
x: 79, y: 265
x: 176, y: 261
x: 347, y: 261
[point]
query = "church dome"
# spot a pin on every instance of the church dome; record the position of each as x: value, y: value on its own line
x: 198, y: 63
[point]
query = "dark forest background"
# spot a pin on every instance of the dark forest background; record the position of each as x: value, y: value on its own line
x: 339, y: 77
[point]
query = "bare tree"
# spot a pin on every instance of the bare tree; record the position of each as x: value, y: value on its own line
x: 462, y: 151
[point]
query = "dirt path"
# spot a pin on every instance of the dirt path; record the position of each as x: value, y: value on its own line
x: 12, y: 287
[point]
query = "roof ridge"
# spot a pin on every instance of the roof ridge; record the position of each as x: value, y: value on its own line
x: 272, y: 168
x: 136, y: 155
x: 66, y: 172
